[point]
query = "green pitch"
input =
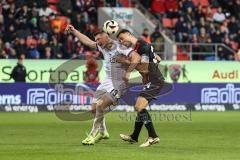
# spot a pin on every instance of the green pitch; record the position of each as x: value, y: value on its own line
x: 203, y: 136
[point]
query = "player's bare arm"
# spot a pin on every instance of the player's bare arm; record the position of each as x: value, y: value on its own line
x: 83, y: 38
x: 142, y: 67
x: 135, y: 59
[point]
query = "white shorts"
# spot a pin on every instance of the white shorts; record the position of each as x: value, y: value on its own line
x: 114, y: 88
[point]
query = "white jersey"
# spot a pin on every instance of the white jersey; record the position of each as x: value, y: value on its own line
x: 114, y: 70
x: 113, y: 83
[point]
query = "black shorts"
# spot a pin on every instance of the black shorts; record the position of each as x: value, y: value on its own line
x: 152, y: 90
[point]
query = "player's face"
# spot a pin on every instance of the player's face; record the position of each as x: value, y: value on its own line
x: 101, y: 39
x: 123, y: 38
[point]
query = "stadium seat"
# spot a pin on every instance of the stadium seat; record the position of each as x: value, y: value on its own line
x: 167, y: 23
x: 234, y: 45
x: 174, y: 21
x: 183, y: 57
x: 158, y: 6
x: 53, y: 1
x: 204, y: 3
x: 196, y: 2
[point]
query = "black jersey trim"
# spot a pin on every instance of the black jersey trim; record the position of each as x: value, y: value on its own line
x: 129, y: 53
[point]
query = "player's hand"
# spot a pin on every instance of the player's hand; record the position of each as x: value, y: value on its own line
x: 126, y: 76
x: 69, y: 28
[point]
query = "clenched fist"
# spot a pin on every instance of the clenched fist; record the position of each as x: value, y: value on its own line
x: 70, y: 28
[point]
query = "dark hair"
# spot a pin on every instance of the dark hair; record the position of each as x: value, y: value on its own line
x: 98, y: 32
x: 123, y: 31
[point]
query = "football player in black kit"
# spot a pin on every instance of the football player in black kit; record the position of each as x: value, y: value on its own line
x: 153, y: 81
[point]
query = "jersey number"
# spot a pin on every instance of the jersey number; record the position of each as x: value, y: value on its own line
x: 114, y: 92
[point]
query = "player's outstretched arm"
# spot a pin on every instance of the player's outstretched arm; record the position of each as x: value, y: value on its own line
x: 83, y: 38
x: 134, y: 61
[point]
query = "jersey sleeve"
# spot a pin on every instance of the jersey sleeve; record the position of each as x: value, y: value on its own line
x: 144, y: 50
x: 125, y: 51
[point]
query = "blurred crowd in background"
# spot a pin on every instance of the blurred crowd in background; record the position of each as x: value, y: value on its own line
x: 201, y: 21
x: 36, y: 28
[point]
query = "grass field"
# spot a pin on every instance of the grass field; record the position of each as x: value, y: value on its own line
x: 207, y: 136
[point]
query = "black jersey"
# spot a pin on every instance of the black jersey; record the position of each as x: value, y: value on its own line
x: 146, y: 51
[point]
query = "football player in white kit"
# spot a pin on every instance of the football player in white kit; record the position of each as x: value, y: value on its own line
x: 115, y: 83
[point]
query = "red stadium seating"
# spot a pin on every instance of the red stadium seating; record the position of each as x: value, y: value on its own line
x: 203, y: 3
x: 158, y: 6
x: 183, y: 57
x: 167, y: 23
x: 53, y: 1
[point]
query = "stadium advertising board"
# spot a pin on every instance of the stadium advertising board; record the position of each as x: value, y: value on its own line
x: 39, y: 71
x: 43, y: 97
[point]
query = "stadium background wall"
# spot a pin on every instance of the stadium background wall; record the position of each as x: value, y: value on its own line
x: 34, y: 97
x: 174, y: 71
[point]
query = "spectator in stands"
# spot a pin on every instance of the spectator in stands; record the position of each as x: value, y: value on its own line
x: 145, y: 35
x: 91, y: 75
x: 217, y: 37
x: 209, y: 15
x: 157, y: 38
x: 44, y: 24
x: 65, y: 7
x: 48, y: 53
x: 233, y: 27
x: 19, y: 72
x: 56, y: 48
x: 33, y: 52
x: 45, y: 11
x: 21, y: 17
x: 203, y: 37
x: 10, y: 34
x: 79, y: 51
x: 79, y: 22
x: 21, y: 47
x: 34, y: 17
x: 185, y: 4
x: 219, y: 16
x: 181, y: 30
x: 34, y: 27
x: 43, y: 44
x: 9, y: 51
x: 190, y: 15
x: 223, y: 51
x: 68, y: 47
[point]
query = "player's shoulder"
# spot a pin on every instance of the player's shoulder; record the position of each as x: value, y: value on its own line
x: 143, y: 46
x: 120, y: 46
